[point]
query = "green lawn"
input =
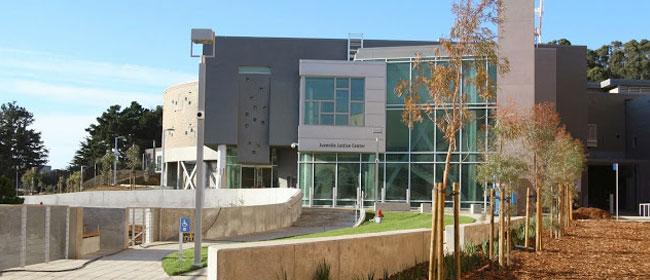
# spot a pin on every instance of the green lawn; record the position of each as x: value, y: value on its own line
x: 175, y: 266
x: 391, y: 221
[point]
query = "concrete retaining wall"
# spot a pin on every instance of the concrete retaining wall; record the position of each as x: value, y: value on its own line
x: 475, y: 233
x: 224, y: 222
x: 214, y: 198
x: 349, y: 256
x: 32, y: 234
x: 11, y: 236
x: 112, y: 224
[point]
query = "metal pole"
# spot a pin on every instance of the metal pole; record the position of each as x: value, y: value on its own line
x: 617, y: 167
x: 376, y: 170
x: 200, y: 127
x: 115, y: 163
x: 163, y: 165
x: 81, y: 180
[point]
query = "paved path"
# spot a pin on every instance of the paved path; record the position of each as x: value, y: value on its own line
x: 137, y: 263
x: 145, y: 263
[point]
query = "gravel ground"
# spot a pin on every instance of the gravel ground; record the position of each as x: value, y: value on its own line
x: 591, y: 249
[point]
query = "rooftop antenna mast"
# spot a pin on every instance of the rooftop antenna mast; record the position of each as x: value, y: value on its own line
x: 539, y: 14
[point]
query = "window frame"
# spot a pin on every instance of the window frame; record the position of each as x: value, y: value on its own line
x: 338, y: 112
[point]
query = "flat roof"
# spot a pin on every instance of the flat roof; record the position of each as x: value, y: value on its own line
x: 613, y: 83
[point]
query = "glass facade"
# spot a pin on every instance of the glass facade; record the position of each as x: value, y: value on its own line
x: 250, y: 176
x: 415, y: 157
x: 334, y: 101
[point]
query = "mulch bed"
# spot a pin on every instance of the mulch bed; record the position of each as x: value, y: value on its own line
x: 590, y: 249
x: 591, y: 214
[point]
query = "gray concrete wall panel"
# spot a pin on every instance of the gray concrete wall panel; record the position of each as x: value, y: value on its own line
x: 10, y: 234
x: 112, y: 225
x: 545, y: 74
x: 58, y: 229
x: 253, y: 125
x: 516, y: 42
x: 571, y: 95
x: 35, y: 249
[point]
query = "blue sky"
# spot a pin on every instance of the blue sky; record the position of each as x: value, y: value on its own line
x: 67, y: 61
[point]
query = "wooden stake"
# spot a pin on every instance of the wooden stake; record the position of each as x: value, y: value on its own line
x: 441, y: 229
x: 433, y: 249
x: 491, y: 241
x: 507, y: 232
x: 457, y: 252
x: 501, y: 225
x: 538, y: 219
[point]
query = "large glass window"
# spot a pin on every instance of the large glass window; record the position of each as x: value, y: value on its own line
x: 469, y: 80
x: 305, y: 178
x: 324, y: 176
x: 474, y: 131
x: 396, y: 73
x: 334, y: 101
x: 396, y: 181
x: 397, y: 134
x: 422, y: 181
x: 347, y: 183
x: 423, y: 135
x: 471, y: 189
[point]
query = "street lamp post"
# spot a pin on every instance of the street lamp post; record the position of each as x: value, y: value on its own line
x: 378, y: 133
x: 117, y: 155
x: 163, y: 170
x: 81, y: 179
x: 204, y: 37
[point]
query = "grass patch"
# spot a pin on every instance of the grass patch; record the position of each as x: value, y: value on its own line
x: 175, y: 266
x: 391, y: 221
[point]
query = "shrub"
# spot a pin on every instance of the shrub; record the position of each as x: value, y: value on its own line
x: 322, y: 271
x: 8, y: 193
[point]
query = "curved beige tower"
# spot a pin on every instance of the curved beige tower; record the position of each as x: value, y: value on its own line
x: 179, y: 139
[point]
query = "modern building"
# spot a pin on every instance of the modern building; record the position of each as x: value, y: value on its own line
x: 618, y: 132
x: 321, y: 114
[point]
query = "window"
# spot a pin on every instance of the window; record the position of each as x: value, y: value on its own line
x: 260, y: 70
x: 592, y: 135
x: 334, y: 101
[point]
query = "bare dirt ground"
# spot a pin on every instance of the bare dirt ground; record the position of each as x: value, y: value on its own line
x: 590, y: 249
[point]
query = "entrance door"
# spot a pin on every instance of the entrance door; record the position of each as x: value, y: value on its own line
x: 256, y: 177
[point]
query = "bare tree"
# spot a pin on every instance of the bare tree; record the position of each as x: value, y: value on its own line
x: 471, y: 35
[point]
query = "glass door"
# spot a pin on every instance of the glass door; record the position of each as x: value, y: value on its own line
x: 257, y: 177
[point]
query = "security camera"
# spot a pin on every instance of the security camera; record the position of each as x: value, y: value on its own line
x: 294, y: 145
x: 200, y: 115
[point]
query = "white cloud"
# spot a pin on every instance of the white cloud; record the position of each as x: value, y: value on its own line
x: 80, y: 95
x: 87, y: 71
x: 66, y: 94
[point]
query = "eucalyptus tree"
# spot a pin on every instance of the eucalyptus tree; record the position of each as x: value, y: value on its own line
x: 539, y: 131
x: 504, y: 170
x: 564, y: 171
x: 472, y: 35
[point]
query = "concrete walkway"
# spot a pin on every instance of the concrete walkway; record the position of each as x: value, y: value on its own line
x: 145, y: 263
x: 136, y: 263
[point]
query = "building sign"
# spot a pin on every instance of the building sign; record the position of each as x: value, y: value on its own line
x: 335, y: 145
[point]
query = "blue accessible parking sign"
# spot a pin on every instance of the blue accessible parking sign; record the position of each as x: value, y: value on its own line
x: 185, y: 224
